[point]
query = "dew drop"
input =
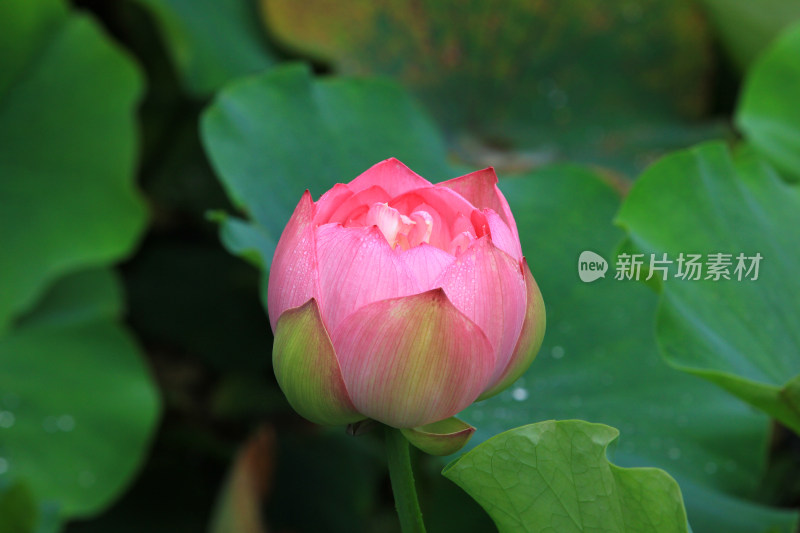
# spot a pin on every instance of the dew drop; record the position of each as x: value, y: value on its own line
x: 519, y: 394
x: 65, y: 423
x: 557, y: 352
x: 7, y: 419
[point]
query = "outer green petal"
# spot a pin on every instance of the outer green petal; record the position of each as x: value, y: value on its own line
x: 530, y: 339
x: 440, y: 438
x: 307, y: 369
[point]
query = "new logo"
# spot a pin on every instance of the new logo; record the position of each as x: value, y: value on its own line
x: 591, y: 266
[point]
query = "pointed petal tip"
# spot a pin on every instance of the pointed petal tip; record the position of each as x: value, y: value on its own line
x: 490, y: 173
x: 392, y: 174
x: 307, y: 198
x: 293, y: 276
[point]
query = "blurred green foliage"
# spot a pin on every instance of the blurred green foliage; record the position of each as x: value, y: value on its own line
x: 212, y: 41
x: 97, y: 97
x: 524, y: 74
x: 768, y: 114
x: 706, y: 327
x: 67, y: 95
x: 77, y: 405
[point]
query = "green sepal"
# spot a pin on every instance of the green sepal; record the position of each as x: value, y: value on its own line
x: 307, y: 369
x: 444, y: 437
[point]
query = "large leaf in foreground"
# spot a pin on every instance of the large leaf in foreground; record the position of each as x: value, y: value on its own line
x: 554, y: 476
x: 67, y: 148
x: 272, y: 136
x: 77, y: 406
x: 600, y: 362
x: 769, y: 110
x: 741, y: 334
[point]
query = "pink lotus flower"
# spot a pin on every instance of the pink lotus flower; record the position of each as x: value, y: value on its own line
x: 402, y: 301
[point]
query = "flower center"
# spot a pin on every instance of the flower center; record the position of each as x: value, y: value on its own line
x: 408, y: 231
x: 399, y: 229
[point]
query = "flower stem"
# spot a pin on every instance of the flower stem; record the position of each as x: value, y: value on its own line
x: 402, y: 476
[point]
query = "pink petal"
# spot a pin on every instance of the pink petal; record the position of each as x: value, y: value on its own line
x: 389, y: 221
x: 461, y: 243
x: 422, y: 230
x: 411, y: 361
x: 330, y: 202
x: 486, y: 284
x: 530, y: 338
x: 426, y: 263
x: 357, y: 267
x: 441, y: 203
x: 480, y: 188
x: 293, y: 276
x: 439, y: 234
x: 502, y: 237
x: 462, y: 224
x: 392, y: 176
x: 357, y: 205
